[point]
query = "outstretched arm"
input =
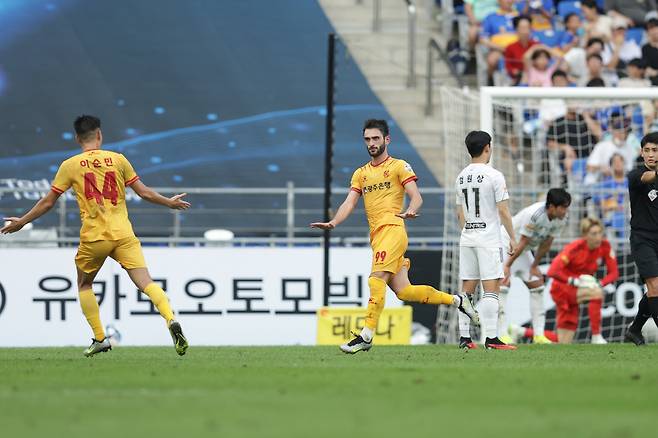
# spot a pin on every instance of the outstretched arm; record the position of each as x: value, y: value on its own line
x: 176, y: 202
x: 42, y: 207
x: 343, y: 212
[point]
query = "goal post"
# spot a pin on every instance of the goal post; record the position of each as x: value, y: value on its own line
x: 552, y: 137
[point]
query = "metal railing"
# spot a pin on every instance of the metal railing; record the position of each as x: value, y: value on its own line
x: 412, y: 17
x: 272, y: 225
x: 376, y: 15
x: 411, y: 34
x: 433, y: 46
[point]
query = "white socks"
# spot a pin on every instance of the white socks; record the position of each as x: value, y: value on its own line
x: 464, y: 321
x: 537, y: 312
x: 366, y: 334
x: 502, y: 301
x: 489, y: 314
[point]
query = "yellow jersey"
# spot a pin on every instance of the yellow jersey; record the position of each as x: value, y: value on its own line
x: 99, y: 179
x: 382, y: 188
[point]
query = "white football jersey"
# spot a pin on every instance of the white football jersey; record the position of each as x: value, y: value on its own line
x: 479, y: 188
x: 533, y: 222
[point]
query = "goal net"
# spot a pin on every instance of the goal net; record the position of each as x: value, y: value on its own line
x: 582, y: 139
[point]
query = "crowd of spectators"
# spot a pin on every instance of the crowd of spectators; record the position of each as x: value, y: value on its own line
x: 567, y: 43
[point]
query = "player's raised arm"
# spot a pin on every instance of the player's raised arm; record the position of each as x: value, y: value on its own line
x: 176, y: 202
x: 42, y: 207
x: 415, y: 201
x: 343, y: 212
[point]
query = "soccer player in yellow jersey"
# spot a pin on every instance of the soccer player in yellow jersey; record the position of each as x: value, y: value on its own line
x: 382, y: 182
x: 99, y: 179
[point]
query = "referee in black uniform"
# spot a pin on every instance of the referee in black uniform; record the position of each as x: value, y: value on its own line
x: 643, y: 194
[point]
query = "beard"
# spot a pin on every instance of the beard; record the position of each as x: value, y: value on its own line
x: 380, y: 150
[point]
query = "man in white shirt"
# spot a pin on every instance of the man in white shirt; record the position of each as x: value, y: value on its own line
x: 482, y: 206
x: 537, y: 225
x: 621, y: 142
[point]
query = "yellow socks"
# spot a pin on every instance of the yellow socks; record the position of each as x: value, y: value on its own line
x: 91, y: 311
x: 376, y: 302
x: 425, y: 294
x: 159, y: 299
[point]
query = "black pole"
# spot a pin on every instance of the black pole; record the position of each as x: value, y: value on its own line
x: 328, y: 153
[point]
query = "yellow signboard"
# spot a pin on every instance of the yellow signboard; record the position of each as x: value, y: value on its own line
x: 335, y: 324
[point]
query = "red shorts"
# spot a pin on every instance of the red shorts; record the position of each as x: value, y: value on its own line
x: 566, y: 306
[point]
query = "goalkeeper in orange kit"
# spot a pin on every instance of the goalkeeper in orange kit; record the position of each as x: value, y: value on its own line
x: 99, y: 179
x: 573, y: 282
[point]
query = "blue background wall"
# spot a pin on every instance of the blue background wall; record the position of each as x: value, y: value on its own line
x: 195, y: 93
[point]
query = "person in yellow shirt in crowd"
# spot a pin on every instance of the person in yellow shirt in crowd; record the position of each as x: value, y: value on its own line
x: 383, y: 182
x: 99, y: 179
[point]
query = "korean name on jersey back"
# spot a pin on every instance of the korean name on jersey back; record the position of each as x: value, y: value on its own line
x: 479, y: 189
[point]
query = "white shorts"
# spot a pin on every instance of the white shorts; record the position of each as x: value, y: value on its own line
x: 521, y: 266
x: 477, y: 263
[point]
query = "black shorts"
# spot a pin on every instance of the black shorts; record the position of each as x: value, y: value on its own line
x: 644, y: 250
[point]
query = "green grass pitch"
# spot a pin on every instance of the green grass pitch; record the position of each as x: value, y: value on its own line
x: 405, y: 392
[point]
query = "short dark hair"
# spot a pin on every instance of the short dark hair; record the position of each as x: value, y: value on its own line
x: 476, y: 141
x: 615, y: 155
x: 558, y: 197
x: 559, y: 73
x: 590, y: 4
x: 593, y: 41
x: 653, y: 22
x: 516, y: 20
x: 537, y: 53
x: 638, y: 62
x: 651, y: 137
x: 85, y: 126
x: 376, y: 124
x: 569, y: 15
x: 594, y: 55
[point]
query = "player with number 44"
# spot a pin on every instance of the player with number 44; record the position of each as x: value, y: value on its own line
x: 99, y: 179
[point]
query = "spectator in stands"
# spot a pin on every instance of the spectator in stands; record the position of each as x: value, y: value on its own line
x: 635, y: 70
x: 620, y: 142
x: 560, y: 79
x: 619, y: 51
x: 595, y: 70
x: 596, y: 25
x: 650, y: 51
x: 515, y: 51
x: 573, y: 32
x: 477, y: 11
x: 497, y: 33
x: 551, y: 109
x: 539, y: 66
x: 633, y: 12
x: 539, y: 11
x: 576, y: 58
x: 577, y: 130
x: 611, y: 194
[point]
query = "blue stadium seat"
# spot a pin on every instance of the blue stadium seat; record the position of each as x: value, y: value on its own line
x: 548, y: 37
x: 579, y: 170
x: 567, y: 7
x: 636, y: 34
